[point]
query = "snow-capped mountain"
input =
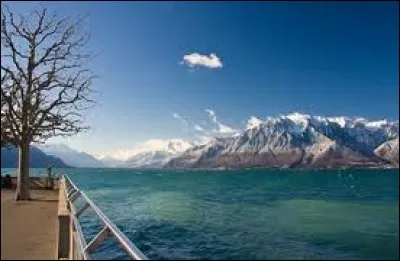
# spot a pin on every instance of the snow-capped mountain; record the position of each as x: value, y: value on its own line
x: 151, y: 159
x: 154, y: 153
x: 70, y: 156
x: 295, y: 140
x: 253, y: 122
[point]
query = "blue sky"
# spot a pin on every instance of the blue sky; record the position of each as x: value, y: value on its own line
x: 323, y: 58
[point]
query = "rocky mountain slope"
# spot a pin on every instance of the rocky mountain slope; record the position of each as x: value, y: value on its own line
x: 295, y: 140
x: 390, y: 151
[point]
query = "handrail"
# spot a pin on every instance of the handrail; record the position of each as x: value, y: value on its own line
x: 72, y: 193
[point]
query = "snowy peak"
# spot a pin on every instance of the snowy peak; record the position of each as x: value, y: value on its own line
x: 150, y: 153
x: 298, y: 118
x: 151, y: 159
x: 294, y: 140
x: 377, y: 124
x: 298, y: 122
x: 253, y: 122
x: 172, y: 146
x: 175, y: 146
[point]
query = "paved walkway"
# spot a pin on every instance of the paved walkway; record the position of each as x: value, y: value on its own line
x: 28, y: 228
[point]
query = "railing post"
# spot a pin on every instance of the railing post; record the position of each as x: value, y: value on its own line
x: 64, y: 220
x: 71, y: 241
x: 63, y: 236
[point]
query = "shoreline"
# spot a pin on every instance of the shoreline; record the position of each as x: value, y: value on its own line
x: 13, y: 173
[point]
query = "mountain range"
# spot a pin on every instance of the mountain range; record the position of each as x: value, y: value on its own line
x: 299, y: 140
x: 37, y: 159
x: 154, y: 153
x: 292, y: 141
x: 70, y: 156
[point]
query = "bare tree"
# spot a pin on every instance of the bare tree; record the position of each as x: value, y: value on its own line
x: 45, y: 82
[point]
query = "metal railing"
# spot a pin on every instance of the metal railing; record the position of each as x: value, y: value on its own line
x: 80, y: 249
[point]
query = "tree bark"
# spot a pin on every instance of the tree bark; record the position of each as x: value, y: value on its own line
x: 23, y: 184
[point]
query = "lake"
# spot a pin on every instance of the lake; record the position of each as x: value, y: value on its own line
x: 247, y: 214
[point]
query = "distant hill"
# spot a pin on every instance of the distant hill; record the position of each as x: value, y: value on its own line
x: 71, y: 157
x: 37, y: 159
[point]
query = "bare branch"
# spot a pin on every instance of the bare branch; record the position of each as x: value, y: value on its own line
x: 45, y: 82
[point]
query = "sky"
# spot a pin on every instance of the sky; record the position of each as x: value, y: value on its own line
x: 169, y: 69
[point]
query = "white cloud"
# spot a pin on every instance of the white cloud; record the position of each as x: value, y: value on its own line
x: 196, y: 59
x: 198, y: 128
x: 221, y: 128
x: 206, y: 131
x: 176, y: 115
x: 225, y: 129
x: 212, y: 115
x: 180, y: 118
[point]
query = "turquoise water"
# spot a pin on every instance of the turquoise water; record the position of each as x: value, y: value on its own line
x: 248, y: 214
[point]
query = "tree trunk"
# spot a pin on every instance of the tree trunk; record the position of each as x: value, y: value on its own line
x: 23, y: 184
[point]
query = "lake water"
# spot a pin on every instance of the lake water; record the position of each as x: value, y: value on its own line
x: 247, y: 214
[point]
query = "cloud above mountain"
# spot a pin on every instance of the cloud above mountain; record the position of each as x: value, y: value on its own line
x: 220, y: 128
x: 214, y: 128
x: 212, y: 115
x: 225, y: 129
x: 180, y: 118
x: 211, y: 61
x: 198, y: 128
